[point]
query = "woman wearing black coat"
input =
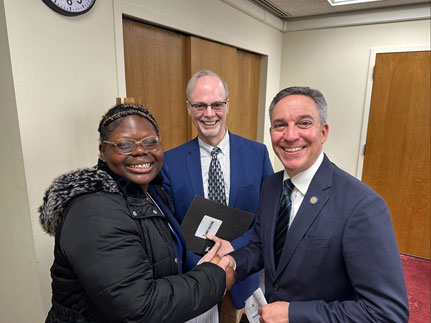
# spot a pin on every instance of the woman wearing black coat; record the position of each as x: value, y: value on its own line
x: 119, y: 252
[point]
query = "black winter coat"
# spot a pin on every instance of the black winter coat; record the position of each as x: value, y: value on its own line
x: 114, y: 259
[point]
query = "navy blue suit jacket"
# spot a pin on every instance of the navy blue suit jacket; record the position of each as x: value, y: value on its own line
x: 340, y: 261
x: 182, y: 179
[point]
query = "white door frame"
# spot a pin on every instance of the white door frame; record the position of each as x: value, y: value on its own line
x: 373, y: 53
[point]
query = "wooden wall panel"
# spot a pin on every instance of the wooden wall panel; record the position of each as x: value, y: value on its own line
x: 155, y: 65
x: 247, y: 103
x: 240, y: 70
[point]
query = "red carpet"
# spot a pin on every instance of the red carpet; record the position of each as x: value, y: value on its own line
x: 417, y: 275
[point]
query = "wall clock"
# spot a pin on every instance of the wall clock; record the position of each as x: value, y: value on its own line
x: 70, y: 7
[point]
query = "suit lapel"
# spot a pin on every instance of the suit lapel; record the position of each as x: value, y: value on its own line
x: 315, y: 199
x: 236, y: 165
x: 194, y: 167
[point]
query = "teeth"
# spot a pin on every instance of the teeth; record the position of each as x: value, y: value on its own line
x: 140, y: 166
x: 292, y: 150
x: 209, y: 122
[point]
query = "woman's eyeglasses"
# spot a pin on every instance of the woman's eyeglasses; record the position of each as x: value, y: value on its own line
x: 127, y: 146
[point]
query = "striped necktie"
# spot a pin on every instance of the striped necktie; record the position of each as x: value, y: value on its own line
x: 282, y: 224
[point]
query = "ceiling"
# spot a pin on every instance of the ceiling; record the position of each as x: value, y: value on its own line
x: 290, y: 9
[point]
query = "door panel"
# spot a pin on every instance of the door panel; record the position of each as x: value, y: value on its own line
x: 241, y: 71
x: 397, y: 156
x: 246, y: 105
x: 155, y: 65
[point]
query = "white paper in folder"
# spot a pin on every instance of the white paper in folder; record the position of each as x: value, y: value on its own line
x: 252, y: 304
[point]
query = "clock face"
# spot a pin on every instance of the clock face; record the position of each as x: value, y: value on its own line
x: 70, y: 7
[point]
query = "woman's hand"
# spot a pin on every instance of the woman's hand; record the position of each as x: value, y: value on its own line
x: 230, y: 277
x: 230, y: 273
x: 213, y: 256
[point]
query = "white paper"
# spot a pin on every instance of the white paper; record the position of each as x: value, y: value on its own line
x: 210, y: 316
x: 252, y: 304
x: 208, y: 225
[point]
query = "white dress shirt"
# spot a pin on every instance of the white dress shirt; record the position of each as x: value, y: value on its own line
x: 224, y: 159
x: 302, y: 182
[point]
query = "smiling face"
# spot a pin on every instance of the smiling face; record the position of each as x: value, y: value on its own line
x: 297, y: 134
x: 140, y: 167
x: 211, y: 125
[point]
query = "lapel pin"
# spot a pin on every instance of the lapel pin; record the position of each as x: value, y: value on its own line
x: 314, y: 200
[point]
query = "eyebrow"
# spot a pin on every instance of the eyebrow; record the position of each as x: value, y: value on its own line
x: 301, y: 117
x: 200, y: 102
x: 305, y: 116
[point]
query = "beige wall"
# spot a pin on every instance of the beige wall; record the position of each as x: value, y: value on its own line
x: 336, y: 61
x: 61, y: 75
x: 19, y: 279
x: 64, y: 78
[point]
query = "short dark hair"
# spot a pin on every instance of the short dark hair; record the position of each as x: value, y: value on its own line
x: 113, y: 117
x: 313, y: 94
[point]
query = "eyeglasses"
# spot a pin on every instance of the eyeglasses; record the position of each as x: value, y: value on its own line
x: 127, y: 146
x: 216, y: 106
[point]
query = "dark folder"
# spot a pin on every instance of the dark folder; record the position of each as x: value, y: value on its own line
x: 208, y: 217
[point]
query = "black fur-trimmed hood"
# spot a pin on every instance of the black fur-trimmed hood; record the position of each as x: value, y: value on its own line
x: 68, y: 186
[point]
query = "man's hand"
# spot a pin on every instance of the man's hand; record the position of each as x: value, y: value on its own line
x: 227, y: 261
x: 277, y: 312
x: 210, y: 254
x: 225, y: 246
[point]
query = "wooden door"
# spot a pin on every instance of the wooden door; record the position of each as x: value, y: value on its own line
x: 244, y: 114
x: 155, y: 66
x: 397, y: 155
x: 240, y: 70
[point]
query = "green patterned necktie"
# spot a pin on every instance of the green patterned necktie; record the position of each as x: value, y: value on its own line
x: 282, y: 224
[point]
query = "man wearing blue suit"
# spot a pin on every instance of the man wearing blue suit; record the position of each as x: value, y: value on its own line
x: 244, y: 164
x: 339, y: 260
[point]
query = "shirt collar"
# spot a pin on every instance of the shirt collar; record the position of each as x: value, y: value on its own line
x: 302, y: 180
x: 223, y: 144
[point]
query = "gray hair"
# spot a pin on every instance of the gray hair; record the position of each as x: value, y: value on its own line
x: 313, y: 94
x: 192, y: 83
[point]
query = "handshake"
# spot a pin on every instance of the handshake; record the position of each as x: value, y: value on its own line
x: 218, y: 255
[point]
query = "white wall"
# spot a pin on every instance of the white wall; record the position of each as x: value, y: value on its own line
x: 335, y: 61
x: 64, y: 79
x: 62, y: 75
